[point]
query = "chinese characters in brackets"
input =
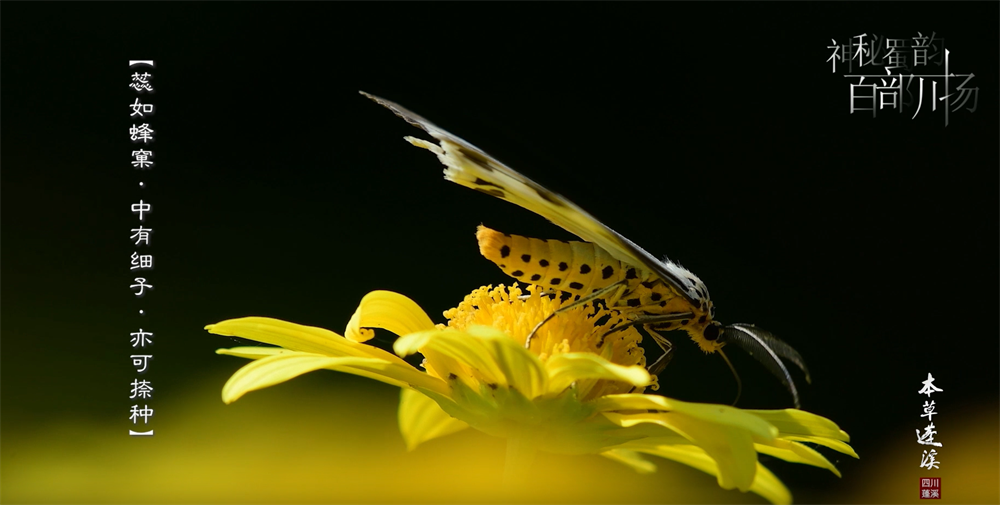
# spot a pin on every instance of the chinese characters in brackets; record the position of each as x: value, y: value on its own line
x: 142, y: 135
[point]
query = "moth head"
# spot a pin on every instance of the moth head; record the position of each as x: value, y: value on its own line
x: 712, y: 331
x: 704, y: 333
x: 765, y: 348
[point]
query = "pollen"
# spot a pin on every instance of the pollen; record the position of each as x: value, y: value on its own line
x: 583, y: 329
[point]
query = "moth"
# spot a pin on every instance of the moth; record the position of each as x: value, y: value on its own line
x: 657, y: 295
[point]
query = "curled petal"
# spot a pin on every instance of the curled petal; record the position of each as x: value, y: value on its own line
x: 422, y: 419
x: 279, y: 368
x: 565, y: 369
x: 389, y: 311
x: 296, y: 337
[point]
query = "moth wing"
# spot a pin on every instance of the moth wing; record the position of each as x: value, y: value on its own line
x: 473, y: 168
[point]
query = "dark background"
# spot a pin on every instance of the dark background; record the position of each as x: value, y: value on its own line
x: 714, y: 133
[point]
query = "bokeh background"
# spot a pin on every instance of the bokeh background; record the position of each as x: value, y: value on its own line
x: 715, y: 133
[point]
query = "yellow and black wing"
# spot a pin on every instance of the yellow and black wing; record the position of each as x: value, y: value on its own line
x: 471, y: 167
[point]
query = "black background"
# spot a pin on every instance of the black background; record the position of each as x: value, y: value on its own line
x: 715, y: 133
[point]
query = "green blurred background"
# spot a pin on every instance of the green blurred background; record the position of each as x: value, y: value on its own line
x: 714, y: 133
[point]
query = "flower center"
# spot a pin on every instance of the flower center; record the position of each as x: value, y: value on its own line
x: 587, y: 328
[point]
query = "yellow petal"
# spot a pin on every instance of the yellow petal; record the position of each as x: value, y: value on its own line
x: 794, y: 452
x: 252, y: 352
x: 764, y: 484
x: 523, y: 369
x: 491, y: 353
x: 731, y: 447
x: 565, y: 369
x: 800, y: 422
x: 836, y: 445
x: 279, y: 368
x: 297, y: 337
x: 711, y: 413
x: 767, y: 485
x: 389, y: 311
x: 421, y: 419
x: 448, y: 350
x: 585, y: 387
x: 632, y: 459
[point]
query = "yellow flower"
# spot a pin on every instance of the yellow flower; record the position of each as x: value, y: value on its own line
x: 573, y: 392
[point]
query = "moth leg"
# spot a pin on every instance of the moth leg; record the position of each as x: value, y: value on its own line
x: 618, y: 288
x: 668, y: 352
x: 647, y: 320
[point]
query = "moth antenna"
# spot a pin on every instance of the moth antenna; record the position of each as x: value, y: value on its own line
x: 739, y: 383
x: 768, y: 350
x: 782, y: 349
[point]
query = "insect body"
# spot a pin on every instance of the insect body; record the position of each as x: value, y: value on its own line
x: 583, y: 268
x: 658, y: 295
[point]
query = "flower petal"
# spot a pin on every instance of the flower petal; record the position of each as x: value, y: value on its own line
x: 252, y: 352
x: 297, y: 337
x: 422, y: 419
x: 730, y: 446
x: 523, y: 369
x: 770, y: 487
x: 836, y: 445
x: 279, y: 368
x: 448, y: 350
x: 794, y: 452
x: 631, y: 458
x: 800, y: 422
x: 497, y: 358
x: 389, y: 311
x: 711, y: 413
x: 764, y: 484
x: 565, y: 369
